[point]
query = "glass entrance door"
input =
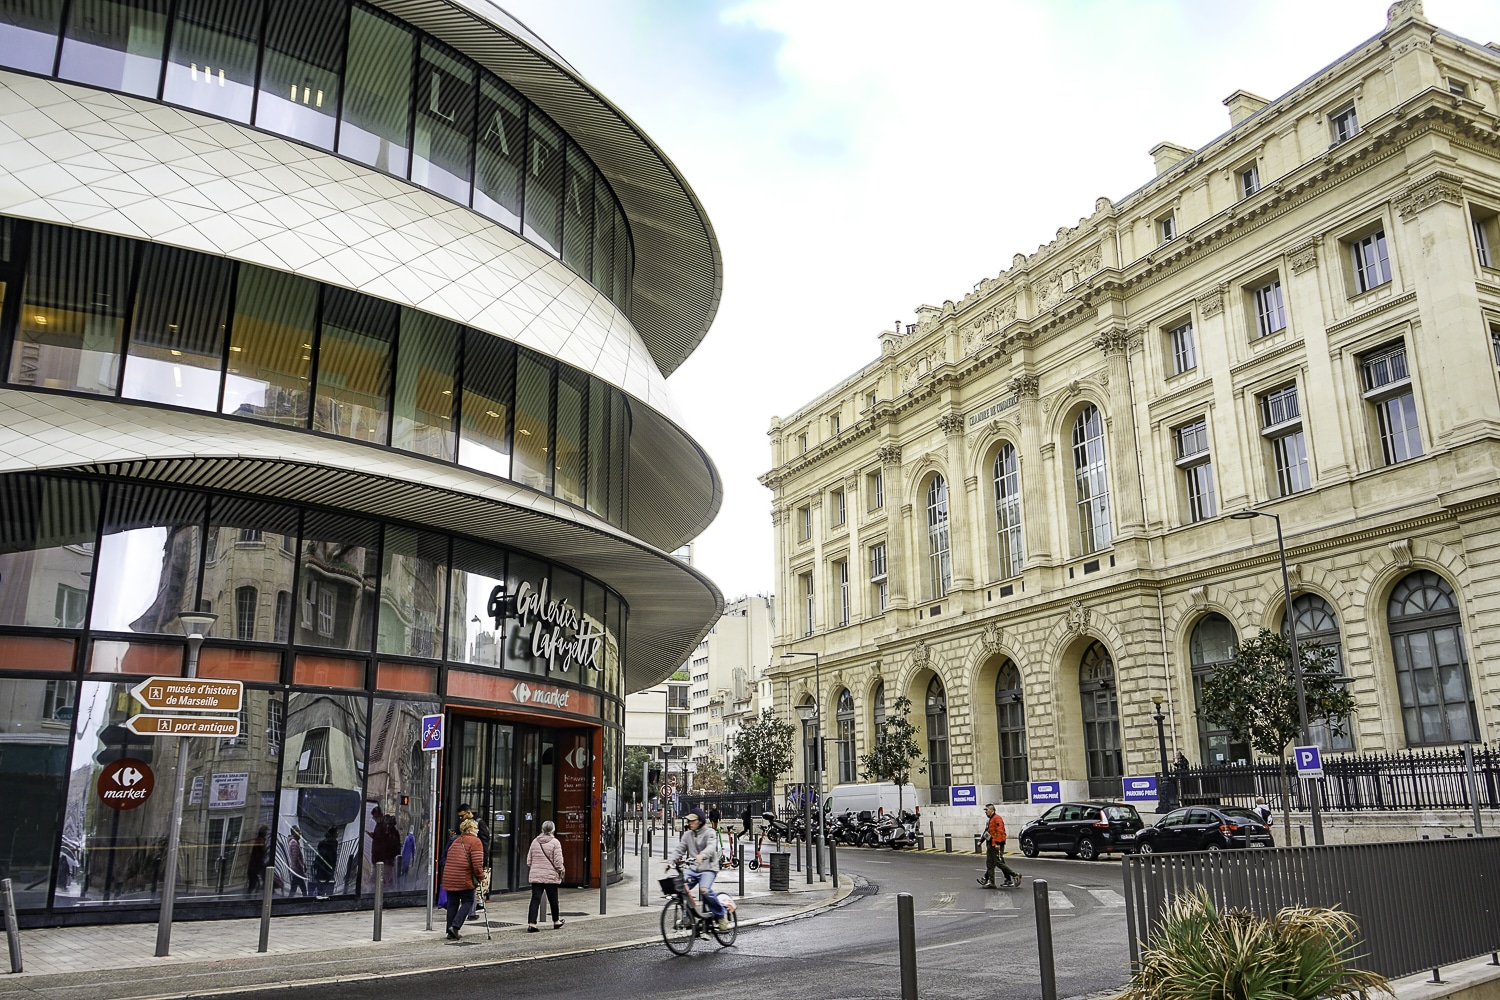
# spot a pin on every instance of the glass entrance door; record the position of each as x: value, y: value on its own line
x: 484, y: 779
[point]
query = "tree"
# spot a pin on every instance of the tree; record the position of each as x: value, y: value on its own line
x: 636, y: 758
x: 1254, y: 696
x: 763, y: 748
x: 895, y: 751
x: 710, y: 776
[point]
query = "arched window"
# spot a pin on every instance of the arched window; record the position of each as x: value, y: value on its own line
x: 1317, y: 622
x: 1008, y: 510
x: 937, y: 742
x: 845, y: 720
x: 877, y: 704
x: 1101, y: 722
x: 1091, y: 478
x: 1210, y: 647
x: 940, y: 563
x: 1432, y: 668
x: 1010, y: 717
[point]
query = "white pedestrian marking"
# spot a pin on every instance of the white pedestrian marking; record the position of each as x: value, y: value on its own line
x: 1000, y: 900
x: 1058, y: 901
x: 1108, y: 897
x: 942, y: 900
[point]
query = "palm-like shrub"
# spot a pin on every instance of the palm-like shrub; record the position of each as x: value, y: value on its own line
x: 1202, y: 953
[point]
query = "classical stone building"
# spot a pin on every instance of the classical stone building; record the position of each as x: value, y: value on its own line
x: 1018, y: 517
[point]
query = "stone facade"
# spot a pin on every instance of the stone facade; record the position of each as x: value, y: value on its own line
x: 1340, y: 242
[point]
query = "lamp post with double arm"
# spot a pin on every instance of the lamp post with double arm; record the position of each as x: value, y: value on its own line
x: 1166, y: 787
x: 817, y: 722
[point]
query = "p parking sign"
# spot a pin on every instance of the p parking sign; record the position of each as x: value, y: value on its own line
x: 1309, y: 762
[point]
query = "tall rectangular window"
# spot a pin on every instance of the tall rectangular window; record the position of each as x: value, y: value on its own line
x: 878, y: 579
x: 1166, y: 227
x: 300, y: 70
x: 47, y: 530
x: 177, y: 334
x: 533, y: 427
x: 413, y: 577
x: 598, y: 449
x: 1388, y: 389
x: 147, y: 570
x: 875, y: 489
x: 270, y: 347
x: 1184, y: 349
x: 804, y: 522
x: 426, y: 365
x: 28, y: 34
x: 354, y: 366
x: 578, y: 210
x: 1194, y: 460
x: 500, y: 155
x: 544, y: 183
x: 444, y: 135
x: 215, y: 46
x: 488, y: 392
x: 841, y: 574
x: 115, y: 44
x: 1345, y: 124
x: 1281, y: 426
x: 1482, y: 243
x: 838, y: 511
x: 377, y: 95
x: 1270, y: 316
x: 1249, y: 180
x: 567, y: 467
x: 250, y: 542
x: 1372, y: 264
x: 246, y: 608
x: 809, y: 604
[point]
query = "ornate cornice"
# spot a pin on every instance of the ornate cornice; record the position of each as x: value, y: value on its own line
x: 1303, y: 256
x: 1211, y: 302
x: 1433, y: 189
x: 1113, y: 342
x: 1025, y: 386
x: 951, y: 423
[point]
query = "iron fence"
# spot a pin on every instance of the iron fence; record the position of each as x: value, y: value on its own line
x: 1415, y: 779
x: 731, y: 805
x: 1419, y: 904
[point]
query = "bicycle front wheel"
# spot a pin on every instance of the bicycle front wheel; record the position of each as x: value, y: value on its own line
x: 677, y: 926
x: 726, y: 938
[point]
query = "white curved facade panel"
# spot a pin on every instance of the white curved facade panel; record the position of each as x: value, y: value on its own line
x: 135, y: 168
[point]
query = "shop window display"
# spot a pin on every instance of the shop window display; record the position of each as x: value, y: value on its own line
x: 318, y: 825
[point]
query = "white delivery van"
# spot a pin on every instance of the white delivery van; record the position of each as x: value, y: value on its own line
x: 872, y: 798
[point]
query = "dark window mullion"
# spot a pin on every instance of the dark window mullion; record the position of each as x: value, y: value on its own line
x: 234, y: 292
x: 62, y: 32
x: 316, y: 352
x: 127, y: 321
x: 455, y: 409
x: 474, y: 139
x: 415, y: 38
x: 260, y: 56
x: 390, y: 393
x: 343, y: 73
x: 552, y: 431
x: 166, y: 49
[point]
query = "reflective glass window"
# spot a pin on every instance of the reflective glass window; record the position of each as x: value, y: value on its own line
x: 47, y: 531
x: 319, y: 818
x: 354, y: 366
x: 336, y: 582
x: 476, y: 622
x: 177, y: 334
x: 619, y: 432
x: 299, y: 76
x: 413, y: 571
x: 397, y: 796
x: 426, y: 365
x: 215, y: 45
x: 594, y: 608
x: 489, y: 385
x: 518, y: 650
x: 500, y: 158
x: 621, y: 285
x: 73, y: 311
x: 544, y: 183
x: 533, y: 421
x: 568, y: 467
x: 147, y: 572
x: 115, y: 44
x: 28, y: 33
x: 249, y: 560
x: 562, y: 586
x: 270, y: 346
x: 33, y: 779
x: 578, y: 210
x: 603, y: 257
x: 377, y: 95
x: 444, y: 135
x: 614, y: 645
x: 598, y: 450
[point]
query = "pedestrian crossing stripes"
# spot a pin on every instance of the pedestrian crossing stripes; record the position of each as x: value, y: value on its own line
x: 1108, y: 897
x: 938, y: 903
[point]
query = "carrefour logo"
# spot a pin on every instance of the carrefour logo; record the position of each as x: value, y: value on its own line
x: 550, y: 697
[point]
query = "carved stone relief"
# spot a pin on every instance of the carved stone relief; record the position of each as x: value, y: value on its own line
x: 992, y: 636
x: 1025, y: 386
x: 951, y: 423
x: 1431, y: 190
x: 1303, y: 256
x: 889, y: 454
x: 1078, y: 619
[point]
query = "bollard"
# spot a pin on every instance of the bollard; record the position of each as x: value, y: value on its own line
x: 906, y: 931
x: 741, y: 847
x: 1302, y: 832
x: 1044, y: 939
x: 921, y: 843
x: 1473, y: 788
x: 379, y: 895
x: 268, y: 882
x: 1436, y: 978
x: 12, y: 932
x: 947, y: 843
x: 932, y: 834
x: 603, y: 883
x: 645, y: 857
x: 833, y: 862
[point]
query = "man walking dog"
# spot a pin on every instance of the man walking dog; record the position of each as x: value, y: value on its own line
x: 995, y: 831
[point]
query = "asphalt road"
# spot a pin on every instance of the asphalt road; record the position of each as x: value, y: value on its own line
x: 971, y: 942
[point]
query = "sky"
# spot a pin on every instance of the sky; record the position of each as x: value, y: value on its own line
x: 858, y: 159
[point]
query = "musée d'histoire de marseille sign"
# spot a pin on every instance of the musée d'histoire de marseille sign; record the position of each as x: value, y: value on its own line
x: 559, y: 635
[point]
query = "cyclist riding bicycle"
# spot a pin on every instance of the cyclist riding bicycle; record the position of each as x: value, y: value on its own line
x: 699, y: 848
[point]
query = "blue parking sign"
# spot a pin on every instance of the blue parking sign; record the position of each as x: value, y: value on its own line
x: 1309, y: 762
x: 1140, y: 789
x: 432, y: 732
x: 1045, y: 792
x: 963, y: 795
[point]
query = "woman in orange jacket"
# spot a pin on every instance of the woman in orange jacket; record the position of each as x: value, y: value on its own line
x: 463, y: 869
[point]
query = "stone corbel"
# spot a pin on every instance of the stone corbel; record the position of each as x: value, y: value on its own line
x: 1198, y: 595
x: 1303, y: 256
x: 1401, y: 549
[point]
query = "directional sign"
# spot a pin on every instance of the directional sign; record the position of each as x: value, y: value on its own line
x: 1309, y: 762
x: 125, y: 783
x: 1140, y: 789
x: 1045, y: 792
x: 963, y: 795
x: 220, y: 726
x: 432, y: 732
x: 189, y: 694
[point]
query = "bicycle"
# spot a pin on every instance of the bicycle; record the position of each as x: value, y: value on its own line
x: 683, y: 921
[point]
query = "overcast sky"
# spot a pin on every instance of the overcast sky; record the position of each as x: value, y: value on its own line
x: 860, y: 159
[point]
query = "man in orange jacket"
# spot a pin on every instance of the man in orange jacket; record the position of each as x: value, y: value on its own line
x: 995, y: 831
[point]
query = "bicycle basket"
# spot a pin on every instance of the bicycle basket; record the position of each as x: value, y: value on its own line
x: 671, y: 885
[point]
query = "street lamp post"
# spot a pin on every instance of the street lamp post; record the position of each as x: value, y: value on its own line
x: 1291, y: 624
x: 818, y: 726
x: 1166, y: 791
x: 197, y: 625
x: 666, y: 760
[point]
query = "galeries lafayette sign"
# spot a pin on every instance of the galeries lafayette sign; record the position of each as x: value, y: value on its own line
x: 559, y: 633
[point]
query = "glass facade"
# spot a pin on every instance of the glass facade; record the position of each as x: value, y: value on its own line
x: 109, y: 316
x: 343, y: 76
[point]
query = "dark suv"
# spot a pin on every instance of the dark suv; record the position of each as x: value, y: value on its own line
x: 1204, y: 828
x: 1082, y: 830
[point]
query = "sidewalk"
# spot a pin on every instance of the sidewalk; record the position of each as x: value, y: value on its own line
x: 116, y: 962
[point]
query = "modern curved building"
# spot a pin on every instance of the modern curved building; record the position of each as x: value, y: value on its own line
x: 348, y: 323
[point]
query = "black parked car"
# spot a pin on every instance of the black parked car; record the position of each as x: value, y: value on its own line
x: 1204, y: 828
x: 1082, y: 830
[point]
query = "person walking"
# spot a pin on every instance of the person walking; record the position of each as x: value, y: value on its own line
x: 994, y: 831
x: 1262, y: 810
x: 257, y: 860
x: 545, y: 871
x: 463, y: 869
x: 326, y: 863
x: 296, y: 864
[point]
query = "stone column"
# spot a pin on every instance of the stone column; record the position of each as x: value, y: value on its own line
x: 897, y: 547
x: 960, y: 499
x: 1325, y: 418
x: 1124, y: 462
x: 1035, y: 473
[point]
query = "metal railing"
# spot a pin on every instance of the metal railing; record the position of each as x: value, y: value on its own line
x: 1413, y: 779
x: 1419, y: 904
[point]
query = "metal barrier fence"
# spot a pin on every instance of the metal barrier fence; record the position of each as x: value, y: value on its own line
x: 1417, y: 779
x: 1420, y: 904
x: 729, y: 804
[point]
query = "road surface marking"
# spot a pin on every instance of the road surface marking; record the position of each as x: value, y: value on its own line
x: 1000, y: 900
x: 942, y: 900
x: 1108, y: 897
x: 1058, y: 901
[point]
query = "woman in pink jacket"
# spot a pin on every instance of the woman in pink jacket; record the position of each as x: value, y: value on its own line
x: 545, y: 862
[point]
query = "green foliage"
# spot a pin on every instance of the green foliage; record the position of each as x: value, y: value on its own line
x: 896, y: 748
x: 763, y: 748
x: 710, y: 776
x: 1201, y: 953
x: 636, y: 757
x: 1254, y: 695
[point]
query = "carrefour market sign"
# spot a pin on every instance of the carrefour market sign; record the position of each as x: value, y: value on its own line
x: 558, y: 631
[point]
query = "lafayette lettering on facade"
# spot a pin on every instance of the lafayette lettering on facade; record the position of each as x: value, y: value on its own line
x: 557, y: 628
x: 990, y: 411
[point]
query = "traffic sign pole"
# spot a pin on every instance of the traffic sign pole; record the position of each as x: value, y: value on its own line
x: 197, y: 626
x: 432, y: 742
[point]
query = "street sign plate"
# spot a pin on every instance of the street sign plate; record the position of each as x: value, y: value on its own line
x: 963, y: 795
x: 125, y: 783
x: 189, y: 694
x: 1140, y: 789
x: 1045, y: 792
x: 1309, y: 762
x: 432, y: 732
x: 219, y: 726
